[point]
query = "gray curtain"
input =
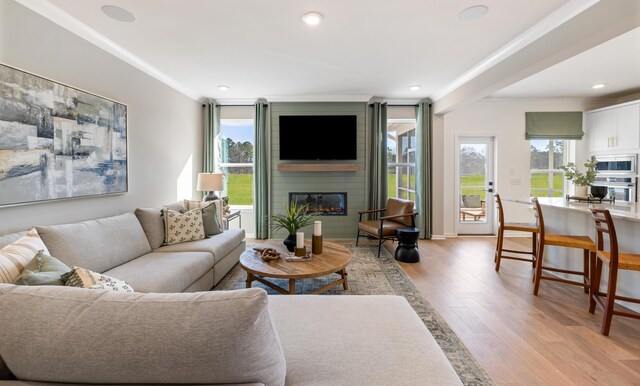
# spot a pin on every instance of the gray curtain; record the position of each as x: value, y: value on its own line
x: 211, y: 152
x: 423, y: 169
x: 261, y: 169
x: 377, y: 156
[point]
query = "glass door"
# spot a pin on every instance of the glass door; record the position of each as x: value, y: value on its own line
x: 475, y: 185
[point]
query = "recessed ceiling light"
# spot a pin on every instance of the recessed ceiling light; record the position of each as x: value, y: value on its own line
x: 598, y: 85
x: 415, y: 87
x: 118, y: 13
x: 472, y: 13
x: 312, y: 18
x: 223, y: 88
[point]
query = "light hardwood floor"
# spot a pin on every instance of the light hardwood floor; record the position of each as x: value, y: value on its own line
x: 519, y: 338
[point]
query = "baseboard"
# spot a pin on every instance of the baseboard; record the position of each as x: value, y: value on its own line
x: 438, y: 237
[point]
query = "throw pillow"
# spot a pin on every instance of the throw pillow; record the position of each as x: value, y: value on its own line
x: 85, y: 278
x: 210, y: 220
x: 15, y: 256
x: 217, y: 206
x: 43, y: 270
x: 182, y: 227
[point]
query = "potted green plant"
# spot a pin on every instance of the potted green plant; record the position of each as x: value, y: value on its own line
x: 293, y: 220
x: 581, y: 179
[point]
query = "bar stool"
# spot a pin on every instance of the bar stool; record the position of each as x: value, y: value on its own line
x: 568, y: 241
x: 615, y: 261
x: 512, y: 226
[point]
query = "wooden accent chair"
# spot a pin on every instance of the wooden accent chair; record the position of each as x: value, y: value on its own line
x: 568, y: 241
x: 512, y: 226
x: 614, y: 261
x: 398, y: 213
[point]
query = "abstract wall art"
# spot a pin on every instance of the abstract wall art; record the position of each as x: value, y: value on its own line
x: 57, y: 141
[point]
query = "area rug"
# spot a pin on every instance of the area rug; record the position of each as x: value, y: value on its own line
x: 369, y: 275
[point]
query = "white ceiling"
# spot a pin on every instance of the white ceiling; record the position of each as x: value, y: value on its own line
x: 363, y: 48
x: 615, y: 63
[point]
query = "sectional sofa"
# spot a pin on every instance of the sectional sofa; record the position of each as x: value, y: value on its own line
x: 159, y: 335
x: 129, y: 247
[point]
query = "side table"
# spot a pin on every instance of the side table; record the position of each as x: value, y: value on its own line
x: 407, y: 250
x: 226, y: 218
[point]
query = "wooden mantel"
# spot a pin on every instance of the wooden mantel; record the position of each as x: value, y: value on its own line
x: 282, y: 167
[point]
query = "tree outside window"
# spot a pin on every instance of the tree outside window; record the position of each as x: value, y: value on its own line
x: 546, y: 176
x: 237, y: 159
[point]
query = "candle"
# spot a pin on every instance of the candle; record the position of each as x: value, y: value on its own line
x: 317, y: 228
x: 299, y: 239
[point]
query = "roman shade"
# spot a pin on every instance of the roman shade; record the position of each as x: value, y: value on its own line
x: 554, y: 125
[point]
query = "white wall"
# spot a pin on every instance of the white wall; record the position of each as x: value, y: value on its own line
x: 504, y: 118
x: 164, y: 126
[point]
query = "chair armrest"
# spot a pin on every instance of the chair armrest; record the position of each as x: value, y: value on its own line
x: 372, y: 211
x: 398, y: 215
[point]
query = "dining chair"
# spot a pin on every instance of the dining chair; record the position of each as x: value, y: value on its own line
x: 567, y: 241
x: 615, y: 261
x: 513, y: 226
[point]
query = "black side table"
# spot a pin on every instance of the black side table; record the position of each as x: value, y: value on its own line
x: 407, y: 250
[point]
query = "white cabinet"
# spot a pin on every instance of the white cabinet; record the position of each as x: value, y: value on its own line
x: 614, y: 128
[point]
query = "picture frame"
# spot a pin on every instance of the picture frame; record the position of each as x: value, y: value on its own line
x: 58, y: 141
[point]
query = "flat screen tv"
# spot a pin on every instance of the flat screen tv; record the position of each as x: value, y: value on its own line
x: 318, y: 137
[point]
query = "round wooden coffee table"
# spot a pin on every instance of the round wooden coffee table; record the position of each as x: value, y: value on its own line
x: 333, y: 259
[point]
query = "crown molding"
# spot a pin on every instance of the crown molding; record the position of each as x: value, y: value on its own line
x: 75, y: 26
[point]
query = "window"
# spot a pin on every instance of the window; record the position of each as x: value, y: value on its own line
x: 237, y: 159
x: 547, y: 179
x: 401, y: 158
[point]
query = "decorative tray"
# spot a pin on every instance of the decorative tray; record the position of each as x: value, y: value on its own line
x: 293, y: 258
x: 589, y: 198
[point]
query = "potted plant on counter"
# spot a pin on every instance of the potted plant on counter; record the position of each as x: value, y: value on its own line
x: 293, y: 220
x: 582, y: 180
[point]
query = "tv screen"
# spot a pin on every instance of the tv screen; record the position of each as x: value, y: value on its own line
x: 318, y: 137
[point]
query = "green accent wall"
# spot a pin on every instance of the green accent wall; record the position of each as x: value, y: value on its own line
x: 351, y: 182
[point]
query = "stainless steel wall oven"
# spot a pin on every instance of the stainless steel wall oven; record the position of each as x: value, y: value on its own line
x: 619, y: 174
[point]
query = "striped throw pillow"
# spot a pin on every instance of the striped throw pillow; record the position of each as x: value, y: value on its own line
x: 14, y: 257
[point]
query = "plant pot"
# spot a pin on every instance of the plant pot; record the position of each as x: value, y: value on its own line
x: 599, y: 191
x: 580, y: 191
x: 290, y: 242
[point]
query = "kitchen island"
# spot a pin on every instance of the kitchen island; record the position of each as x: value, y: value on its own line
x: 572, y: 217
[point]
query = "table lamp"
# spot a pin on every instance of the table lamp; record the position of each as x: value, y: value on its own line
x: 210, y: 182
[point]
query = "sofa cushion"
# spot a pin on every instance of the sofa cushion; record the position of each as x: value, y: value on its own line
x: 43, y: 270
x: 15, y: 256
x: 10, y: 238
x: 98, y: 245
x: 387, y: 343
x: 164, y: 272
x: 101, y: 336
x: 219, y: 245
x: 152, y: 224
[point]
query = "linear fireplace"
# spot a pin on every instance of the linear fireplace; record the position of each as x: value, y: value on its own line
x: 327, y: 204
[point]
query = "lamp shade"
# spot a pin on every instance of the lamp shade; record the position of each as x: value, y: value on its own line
x: 209, y: 182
